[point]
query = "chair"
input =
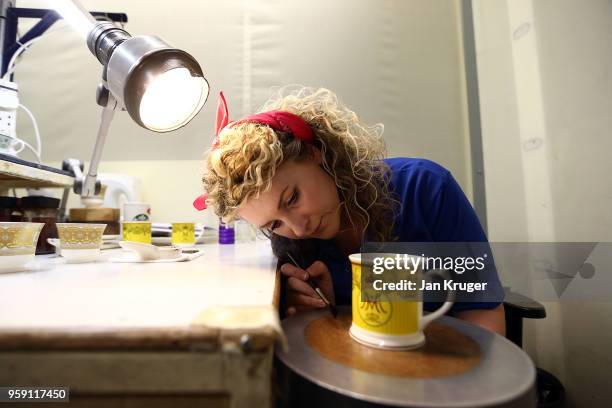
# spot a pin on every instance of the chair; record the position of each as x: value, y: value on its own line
x: 550, y: 391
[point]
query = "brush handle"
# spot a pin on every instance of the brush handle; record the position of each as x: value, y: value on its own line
x: 320, y: 293
x: 310, y: 282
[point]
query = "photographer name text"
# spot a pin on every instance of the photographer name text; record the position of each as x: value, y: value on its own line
x: 449, y: 284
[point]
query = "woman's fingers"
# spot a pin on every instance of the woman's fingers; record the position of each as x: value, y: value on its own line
x: 290, y: 270
x: 300, y: 295
x: 301, y: 287
x: 318, y: 270
x: 298, y: 299
x: 320, y: 275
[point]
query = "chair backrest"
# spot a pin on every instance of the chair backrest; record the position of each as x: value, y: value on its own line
x: 517, y: 307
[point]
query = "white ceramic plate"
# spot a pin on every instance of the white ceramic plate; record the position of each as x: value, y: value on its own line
x: 147, y: 252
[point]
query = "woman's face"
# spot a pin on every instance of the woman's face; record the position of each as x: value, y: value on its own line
x: 302, y: 203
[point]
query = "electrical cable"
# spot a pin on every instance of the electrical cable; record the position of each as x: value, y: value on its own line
x: 25, y: 144
x: 10, y: 68
x: 36, y: 131
x: 13, y: 61
x: 24, y: 46
x: 12, y: 65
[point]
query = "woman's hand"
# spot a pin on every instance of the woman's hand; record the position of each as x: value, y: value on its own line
x: 300, y: 296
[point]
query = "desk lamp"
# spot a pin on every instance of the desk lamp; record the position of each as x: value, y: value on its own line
x: 161, y: 87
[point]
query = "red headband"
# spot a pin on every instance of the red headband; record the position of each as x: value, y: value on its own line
x: 277, y: 120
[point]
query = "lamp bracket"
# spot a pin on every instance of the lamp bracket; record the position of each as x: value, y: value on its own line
x: 76, y: 167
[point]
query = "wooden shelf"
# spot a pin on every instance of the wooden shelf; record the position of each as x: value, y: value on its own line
x: 15, y: 175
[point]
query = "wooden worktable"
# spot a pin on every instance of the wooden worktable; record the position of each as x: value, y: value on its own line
x: 198, y: 333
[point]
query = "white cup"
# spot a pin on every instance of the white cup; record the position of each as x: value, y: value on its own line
x: 133, y: 211
x: 75, y: 255
x: 78, y: 242
x: 17, y: 244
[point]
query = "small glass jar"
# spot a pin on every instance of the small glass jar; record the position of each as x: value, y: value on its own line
x: 9, y: 211
x: 244, y: 232
x: 42, y: 209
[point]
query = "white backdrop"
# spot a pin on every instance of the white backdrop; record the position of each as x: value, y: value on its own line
x: 393, y: 61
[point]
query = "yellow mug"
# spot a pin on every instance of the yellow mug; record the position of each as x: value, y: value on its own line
x: 137, y: 231
x: 382, y: 322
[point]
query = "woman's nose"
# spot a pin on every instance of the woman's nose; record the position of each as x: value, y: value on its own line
x: 298, y: 225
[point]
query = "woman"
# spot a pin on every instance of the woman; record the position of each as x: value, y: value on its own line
x: 308, y: 172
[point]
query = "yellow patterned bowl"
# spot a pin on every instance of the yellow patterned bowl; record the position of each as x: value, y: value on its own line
x: 80, y: 242
x: 17, y: 244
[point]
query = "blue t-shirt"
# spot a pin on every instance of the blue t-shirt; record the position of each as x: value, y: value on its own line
x: 433, y: 209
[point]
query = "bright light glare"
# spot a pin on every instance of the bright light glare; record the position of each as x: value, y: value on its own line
x: 172, y: 100
x: 75, y: 14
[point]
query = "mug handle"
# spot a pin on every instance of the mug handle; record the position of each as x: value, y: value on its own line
x: 448, y: 303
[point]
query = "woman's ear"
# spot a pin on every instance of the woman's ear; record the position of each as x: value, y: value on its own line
x: 316, y: 154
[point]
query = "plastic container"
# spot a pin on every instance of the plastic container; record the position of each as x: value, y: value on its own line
x: 42, y: 209
x: 244, y: 232
x: 227, y: 234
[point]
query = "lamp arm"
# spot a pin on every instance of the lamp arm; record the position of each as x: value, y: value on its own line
x: 109, y: 104
x: 76, y: 15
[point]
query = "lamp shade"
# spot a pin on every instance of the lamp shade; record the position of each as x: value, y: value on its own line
x: 161, y: 87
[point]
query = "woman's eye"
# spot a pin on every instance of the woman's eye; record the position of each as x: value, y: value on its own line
x: 292, y: 200
x: 294, y: 197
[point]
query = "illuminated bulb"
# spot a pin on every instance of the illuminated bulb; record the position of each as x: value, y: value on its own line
x: 172, y: 100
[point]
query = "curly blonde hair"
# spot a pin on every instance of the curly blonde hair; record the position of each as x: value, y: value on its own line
x: 248, y: 155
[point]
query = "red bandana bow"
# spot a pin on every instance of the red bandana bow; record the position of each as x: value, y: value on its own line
x: 277, y: 120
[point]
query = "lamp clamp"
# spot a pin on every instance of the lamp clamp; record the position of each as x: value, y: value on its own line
x: 75, y: 166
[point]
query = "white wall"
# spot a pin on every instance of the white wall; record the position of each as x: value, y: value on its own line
x: 169, y: 185
x: 393, y: 61
x: 546, y: 97
x: 575, y: 42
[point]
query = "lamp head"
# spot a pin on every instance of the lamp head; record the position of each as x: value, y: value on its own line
x: 161, y: 87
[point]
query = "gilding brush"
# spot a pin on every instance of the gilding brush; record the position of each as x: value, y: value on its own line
x: 319, y: 292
